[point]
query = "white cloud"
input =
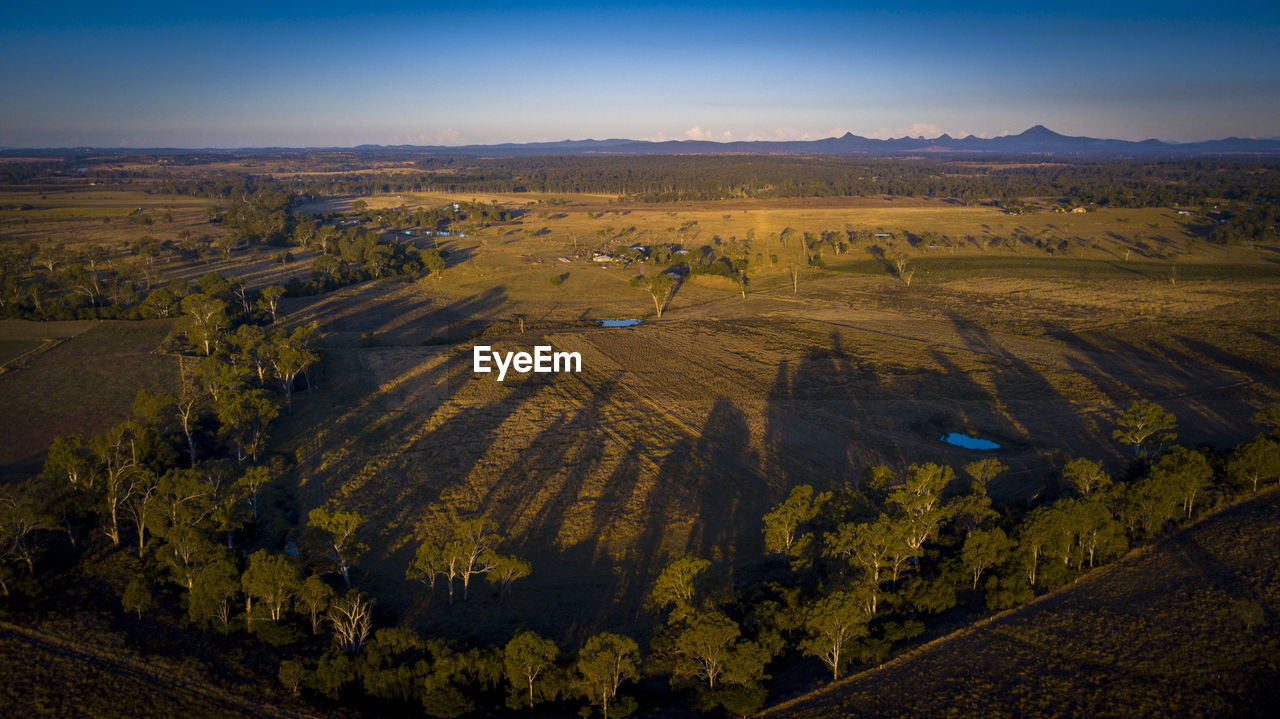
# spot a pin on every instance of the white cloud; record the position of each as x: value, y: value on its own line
x: 447, y: 136
x: 697, y: 132
x: 789, y: 134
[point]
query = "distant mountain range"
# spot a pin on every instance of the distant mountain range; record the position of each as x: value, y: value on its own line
x: 1039, y: 141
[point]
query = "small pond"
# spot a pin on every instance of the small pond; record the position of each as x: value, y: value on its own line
x: 618, y: 323
x: 964, y: 440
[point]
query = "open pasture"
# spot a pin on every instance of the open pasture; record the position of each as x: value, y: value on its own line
x: 592, y: 220
x: 81, y: 385
x: 108, y: 217
x: 681, y: 433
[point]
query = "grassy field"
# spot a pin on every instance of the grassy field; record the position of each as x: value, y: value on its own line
x: 681, y: 432
x: 108, y: 216
x: 81, y: 385
x: 1104, y: 233
x: 1187, y: 627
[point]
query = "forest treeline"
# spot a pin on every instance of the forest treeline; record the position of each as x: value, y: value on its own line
x: 183, y: 498
x: 670, y: 178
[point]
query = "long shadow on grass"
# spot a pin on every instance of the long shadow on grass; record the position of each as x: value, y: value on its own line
x: 810, y: 418
x: 1023, y: 394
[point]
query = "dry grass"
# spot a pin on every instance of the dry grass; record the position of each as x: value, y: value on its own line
x: 79, y: 386
x: 78, y: 219
x: 1171, y: 630
x: 682, y: 432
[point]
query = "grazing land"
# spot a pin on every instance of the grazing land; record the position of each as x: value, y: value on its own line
x: 81, y: 377
x: 313, y: 439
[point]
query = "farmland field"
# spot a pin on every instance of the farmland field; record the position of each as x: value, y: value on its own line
x: 648, y: 455
x: 82, y: 384
x: 313, y: 343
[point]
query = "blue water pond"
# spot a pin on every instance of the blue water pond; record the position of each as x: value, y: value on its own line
x: 964, y: 440
x: 618, y: 323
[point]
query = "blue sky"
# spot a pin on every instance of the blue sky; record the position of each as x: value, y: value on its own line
x: 329, y: 74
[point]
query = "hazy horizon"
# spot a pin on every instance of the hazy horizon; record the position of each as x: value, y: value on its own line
x: 936, y: 135
x: 330, y: 75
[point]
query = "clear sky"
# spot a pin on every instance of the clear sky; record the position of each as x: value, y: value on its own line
x: 238, y: 74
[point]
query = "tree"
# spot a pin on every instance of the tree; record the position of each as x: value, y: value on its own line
x: 215, y: 586
x: 270, y: 298
x: 867, y: 545
x: 142, y: 505
x: 1145, y: 505
x: 1141, y: 421
x: 339, y: 528
x: 433, y: 261
x: 526, y: 657
x: 796, y: 255
x: 921, y: 488
x: 1045, y: 532
x: 675, y: 585
x: 248, y: 347
x: 918, y: 499
x: 472, y: 546
x: 271, y: 578
x: 291, y: 356
x: 429, y: 562
x: 984, y: 549
x: 1098, y: 534
x: 1268, y: 417
x: 291, y: 674
x: 205, y: 320
x: 506, y: 570
x: 243, y: 417
x: 605, y: 662
x: 316, y: 596
x: 659, y: 288
x: 186, y: 550
x: 983, y: 471
x: 1257, y: 461
x: 1085, y: 476
x: 70, y: 458
x: 782, y: 533
x: 117, y: 454
x: 707, y: 649
x: 1185, y: 472
x: 252, y: 482
x: 830, y: 625
x: 902, y: 269
x: 21, y: 519
x: 968, y: 512
x: 352, y: 619
x: 136, y: 598
x: 188, y: 406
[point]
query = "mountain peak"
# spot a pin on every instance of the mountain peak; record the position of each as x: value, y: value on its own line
x: 1039, y: 131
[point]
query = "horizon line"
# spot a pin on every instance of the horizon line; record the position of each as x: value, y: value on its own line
x: 665, y: 141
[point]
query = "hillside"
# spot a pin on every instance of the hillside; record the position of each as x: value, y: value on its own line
x: 1187, y: 627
